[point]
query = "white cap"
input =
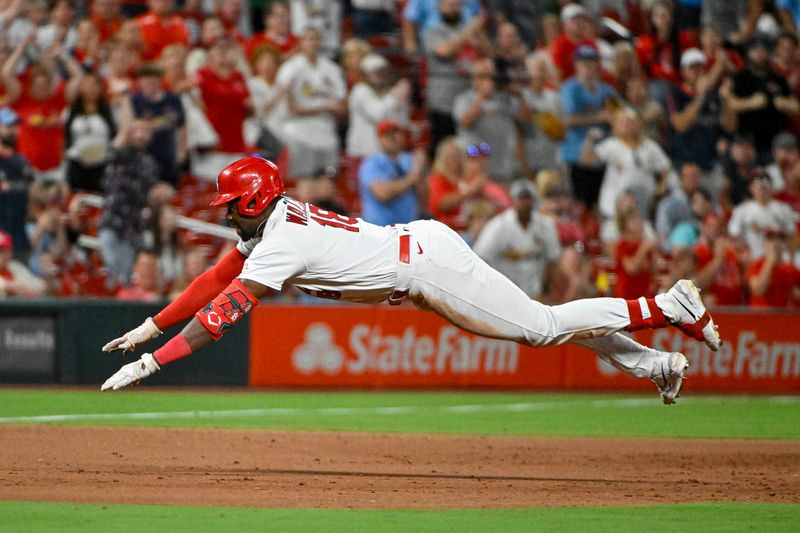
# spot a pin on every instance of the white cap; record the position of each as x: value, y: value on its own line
x: 692, y: 57
x: 571, y: 11
x: 373, y: 62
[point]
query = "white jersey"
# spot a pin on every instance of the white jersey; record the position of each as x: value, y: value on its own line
x: 323, y: 253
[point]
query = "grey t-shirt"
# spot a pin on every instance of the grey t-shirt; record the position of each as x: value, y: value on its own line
x: 447, y: 76
x: 494, y: 126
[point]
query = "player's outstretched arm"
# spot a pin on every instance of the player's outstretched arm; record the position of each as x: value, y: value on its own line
x: 199, y: 292
x: 209, y: 324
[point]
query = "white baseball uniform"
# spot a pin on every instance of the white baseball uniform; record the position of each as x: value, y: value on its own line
x: 333, y: 256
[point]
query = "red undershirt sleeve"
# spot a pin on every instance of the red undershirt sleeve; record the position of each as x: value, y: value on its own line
x: 201, y: 290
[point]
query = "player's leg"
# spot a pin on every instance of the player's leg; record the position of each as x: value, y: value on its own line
x: 451, y: 280
x: 665, y: 369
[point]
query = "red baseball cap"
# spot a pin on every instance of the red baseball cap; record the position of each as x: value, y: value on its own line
x: 6, y: 242
x: 388, y: 126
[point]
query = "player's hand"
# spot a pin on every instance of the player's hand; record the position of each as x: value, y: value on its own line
x: 128, y: 342
x: 132, y: 373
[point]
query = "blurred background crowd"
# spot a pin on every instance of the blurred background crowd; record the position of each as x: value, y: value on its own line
x: 607, y: 147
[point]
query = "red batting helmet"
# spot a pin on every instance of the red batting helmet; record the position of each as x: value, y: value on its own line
x: 253, y: 180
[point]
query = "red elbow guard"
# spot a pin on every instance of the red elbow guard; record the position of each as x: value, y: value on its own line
x: 228, y: 308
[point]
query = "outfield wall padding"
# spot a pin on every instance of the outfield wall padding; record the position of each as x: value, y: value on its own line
x: 386, y: 347
x: 69, y: 351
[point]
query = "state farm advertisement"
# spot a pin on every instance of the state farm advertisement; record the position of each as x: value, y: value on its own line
x: 386, y: 347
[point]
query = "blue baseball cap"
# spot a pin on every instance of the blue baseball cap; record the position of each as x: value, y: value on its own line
x: 8, y: 117
x: 587, y: 52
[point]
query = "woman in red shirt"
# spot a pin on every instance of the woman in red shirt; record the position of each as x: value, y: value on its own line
x: 773, y: 280
x: 635, y: 256
x: 226, y: 97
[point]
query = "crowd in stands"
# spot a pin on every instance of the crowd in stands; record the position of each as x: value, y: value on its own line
x: 594, y: 148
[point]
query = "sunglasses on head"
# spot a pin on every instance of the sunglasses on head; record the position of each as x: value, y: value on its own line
x: 475, y: 150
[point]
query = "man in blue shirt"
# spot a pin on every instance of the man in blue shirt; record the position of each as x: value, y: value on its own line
x: 586, y: 100
x: 421, y: 15
x: 388, y: 179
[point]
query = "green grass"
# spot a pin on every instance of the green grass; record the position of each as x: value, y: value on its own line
x: 453, y: 412
x: 727, y: 517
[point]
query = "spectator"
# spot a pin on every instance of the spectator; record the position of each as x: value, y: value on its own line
x: 40, y: 99
x: 476, y: 170
x: 785, y: 155
x: 159, y: 28
x: 577, y: 32
x: 193, y: 264
x: 762, y: 100
x: 786, y: 60
x: 353, y: 53
x: 89, y: 130
x: 25, y: 23
x: 129, y: 176
x: 105, y: 15
x: 719, y: 271
x: 635, y: 257
x: 225, y: 95
x: 791, y: 191
x: 650, y: 112
x: 625, y: 66
x: 485, y: 114
x: 685, y: 233
x: 144, y: 281
x: 609, y: 229
x: 49, y: 245
x: 117, y: 78
x: 15, y: 279
x: 211, y: 31
x: 173, y: 64
x: 230, y: 13
x: 451, y: 48
x: 737, y: 166
x: 521, y: 243
x: 373, y: 17
x: 88, y: 51
x: 660, y: 50
x: 525, y: 15
x: 316, y: 97
x: 509, y: 57
x: 675, y: 207
x: 715, y: 52
x: 388, y: 179
x: 699, y: 112
x: 540, y: 113
x: 752, y: 219
x: 726, y: 17
x: 264, y: 129
x: 164, y: 114
x: 632, y: 161
x: 324, y: 191
x: 585, y: 99
x: 448, y: 189
x: 373, y: 100
x: 774, y: 281
x: 59, y: 31
x: 161, y: 238
x: 322, y: 15
x: 15, y: 180
x: 277, y: 32
x: 419, y: 16
x: 479, y: 213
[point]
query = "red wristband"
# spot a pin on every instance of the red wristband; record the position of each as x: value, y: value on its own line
x: 176, y: 348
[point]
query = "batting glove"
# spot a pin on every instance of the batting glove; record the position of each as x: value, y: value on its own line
x: 132, y: 373
x: 127, y: 343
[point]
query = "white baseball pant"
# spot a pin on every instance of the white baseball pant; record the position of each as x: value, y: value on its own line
x: 445, y: 276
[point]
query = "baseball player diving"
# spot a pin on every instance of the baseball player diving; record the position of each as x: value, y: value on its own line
x: 333, y: 256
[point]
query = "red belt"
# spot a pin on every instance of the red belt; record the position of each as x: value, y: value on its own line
x: 397, y: 297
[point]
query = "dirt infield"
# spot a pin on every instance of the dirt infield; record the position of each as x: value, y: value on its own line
x: 337, y: 469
